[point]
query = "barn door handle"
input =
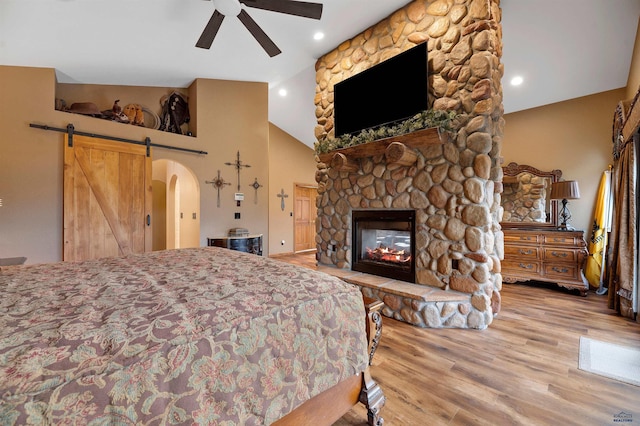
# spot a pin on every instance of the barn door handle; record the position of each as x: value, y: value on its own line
x: 148, y: 220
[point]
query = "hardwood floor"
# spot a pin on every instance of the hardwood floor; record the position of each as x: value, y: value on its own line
x: 521, y: 370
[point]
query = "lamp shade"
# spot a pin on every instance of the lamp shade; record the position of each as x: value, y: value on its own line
x: 565, y: 190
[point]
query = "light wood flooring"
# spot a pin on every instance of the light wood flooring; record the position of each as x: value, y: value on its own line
x: 521, y: 370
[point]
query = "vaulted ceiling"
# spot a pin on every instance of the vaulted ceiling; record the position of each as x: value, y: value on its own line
x: 563, y: 49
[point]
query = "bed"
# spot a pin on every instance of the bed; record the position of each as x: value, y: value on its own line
x: 189, y: 336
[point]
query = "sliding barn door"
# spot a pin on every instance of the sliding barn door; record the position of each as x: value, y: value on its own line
x: 107, y: 199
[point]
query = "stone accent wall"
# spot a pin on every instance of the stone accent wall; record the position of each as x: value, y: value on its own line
x: 525, y: 200
x: 454, y: 187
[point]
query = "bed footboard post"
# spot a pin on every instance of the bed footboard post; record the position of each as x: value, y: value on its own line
x: 374, y: 325
x: 371, y: 394
x: 372, y: 397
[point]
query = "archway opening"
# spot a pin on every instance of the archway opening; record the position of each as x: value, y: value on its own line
x: 176, y: 200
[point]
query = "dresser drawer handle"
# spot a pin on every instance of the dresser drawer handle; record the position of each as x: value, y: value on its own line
x: 527, y: 266
x: 556, y: 254
x: 525, y: 238
x: 560, y: 270
x: 523, y: 251
x: 559, y: 240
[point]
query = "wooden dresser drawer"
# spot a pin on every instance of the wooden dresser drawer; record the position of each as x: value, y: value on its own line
x: 560, y: 255
x: 522, y: 238
x: 521, y: 267
x: 560, y: 240
x: 560, y: 271
x: 521, y: 252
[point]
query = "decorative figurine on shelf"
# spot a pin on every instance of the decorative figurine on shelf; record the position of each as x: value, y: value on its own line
x: 115, y: 113
x: 135, y: 114
x: 116, y: 109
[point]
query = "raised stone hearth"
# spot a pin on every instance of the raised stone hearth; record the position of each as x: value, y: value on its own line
x: 453, y: 184
x: 415, y: 304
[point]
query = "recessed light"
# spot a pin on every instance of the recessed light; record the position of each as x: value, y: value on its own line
x: 318, y: 36
x: 516, y: 81
x: 282, y: 92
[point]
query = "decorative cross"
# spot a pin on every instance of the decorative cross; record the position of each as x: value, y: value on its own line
x: 238, y: 165
x: 256, y: 185
x: 282, y: 196
x: 218, y: 183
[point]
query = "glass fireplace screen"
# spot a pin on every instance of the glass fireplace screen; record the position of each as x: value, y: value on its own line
x: 383, y: 243
x: 387, y: 247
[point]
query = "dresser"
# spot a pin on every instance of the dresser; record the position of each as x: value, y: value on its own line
x: 552, y: 255
x: 248, y: 243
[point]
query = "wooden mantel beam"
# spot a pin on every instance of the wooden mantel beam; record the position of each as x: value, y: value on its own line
x: 399, y: 153
x: 343, y: 163
x: 430, y: 136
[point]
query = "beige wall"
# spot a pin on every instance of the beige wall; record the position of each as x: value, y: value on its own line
x: 292, y: 162
x: 573, y: 136
x: 30, y: 166
x: 230, y: 116
x: 633, y: 83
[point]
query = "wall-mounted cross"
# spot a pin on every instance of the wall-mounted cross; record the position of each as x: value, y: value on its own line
x: 282, y: 196
x: 255, y: 186
x: 218, y: 183
x: 238, y: 165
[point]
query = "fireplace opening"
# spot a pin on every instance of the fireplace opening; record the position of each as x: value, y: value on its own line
x: 383, y: 243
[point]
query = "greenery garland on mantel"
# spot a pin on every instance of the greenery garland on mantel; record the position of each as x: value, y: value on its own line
x: 443, y: 120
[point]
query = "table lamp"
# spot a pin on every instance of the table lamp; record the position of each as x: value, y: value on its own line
x: 565, y: 190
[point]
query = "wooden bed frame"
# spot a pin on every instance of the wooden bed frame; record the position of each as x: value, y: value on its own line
x: 327, y: 407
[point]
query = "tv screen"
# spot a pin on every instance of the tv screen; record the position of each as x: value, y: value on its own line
x: 390, y: 91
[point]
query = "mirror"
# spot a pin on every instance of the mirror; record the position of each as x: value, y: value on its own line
x: 526, y: 197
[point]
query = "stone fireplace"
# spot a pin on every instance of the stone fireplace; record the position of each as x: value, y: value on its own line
x: 454, y: 182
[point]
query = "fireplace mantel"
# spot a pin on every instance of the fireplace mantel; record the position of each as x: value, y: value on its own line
x: 430, y: 136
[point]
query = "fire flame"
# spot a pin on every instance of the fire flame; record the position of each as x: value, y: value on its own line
x: 385, y: 254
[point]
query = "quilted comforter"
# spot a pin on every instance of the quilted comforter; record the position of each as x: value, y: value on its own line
x: 189, y: 336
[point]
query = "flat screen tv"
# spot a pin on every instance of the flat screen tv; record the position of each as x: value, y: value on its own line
x: 390, y: 91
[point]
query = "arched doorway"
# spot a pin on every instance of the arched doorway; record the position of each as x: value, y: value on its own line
x: 176, y: 204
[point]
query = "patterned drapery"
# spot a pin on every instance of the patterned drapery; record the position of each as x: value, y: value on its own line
x: 623, y: 263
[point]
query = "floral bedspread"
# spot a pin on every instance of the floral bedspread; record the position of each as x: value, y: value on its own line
x: 190, y: 336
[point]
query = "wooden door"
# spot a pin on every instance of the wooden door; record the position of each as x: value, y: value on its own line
x: 107, y: 199
x: 305, y: 218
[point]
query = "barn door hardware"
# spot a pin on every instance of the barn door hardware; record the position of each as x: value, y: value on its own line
x: 70, y: 131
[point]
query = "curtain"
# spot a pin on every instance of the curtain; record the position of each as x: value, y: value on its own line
x: 623, y: 275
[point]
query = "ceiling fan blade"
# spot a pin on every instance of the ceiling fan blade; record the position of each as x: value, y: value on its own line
x: 267, y: 44
x: 210, y: 31
x: 298, y: 8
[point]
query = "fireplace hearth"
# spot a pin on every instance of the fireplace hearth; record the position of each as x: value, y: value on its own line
x: 383, y: 242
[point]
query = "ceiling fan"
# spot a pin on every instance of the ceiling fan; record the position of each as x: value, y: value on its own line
x: 233, y: 8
